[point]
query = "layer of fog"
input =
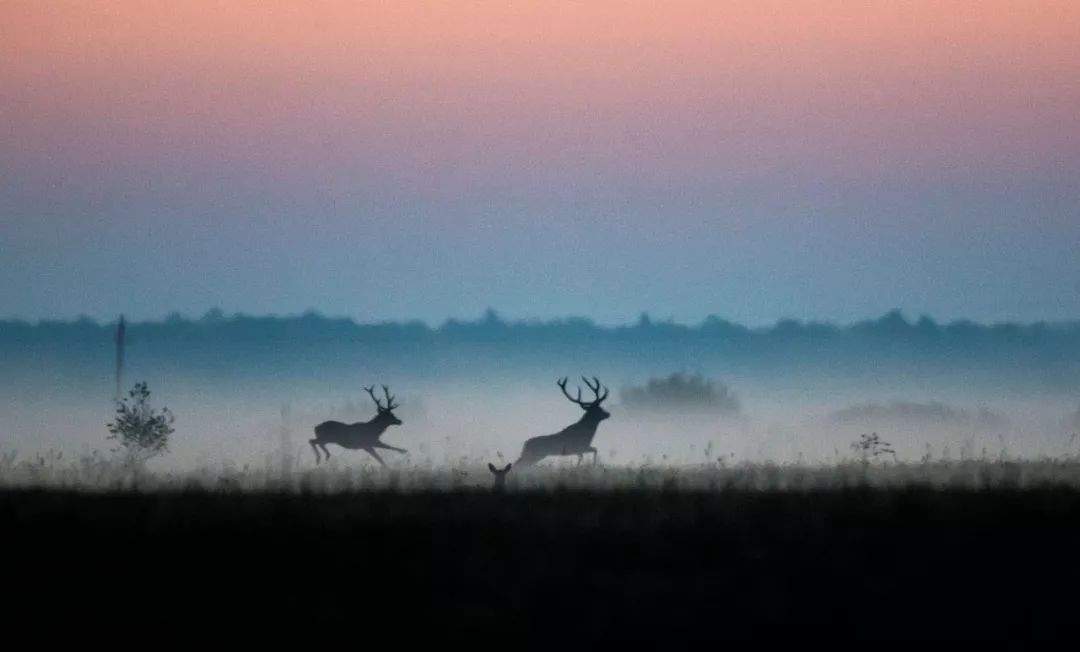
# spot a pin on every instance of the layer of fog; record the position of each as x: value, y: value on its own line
x: 458, y: 421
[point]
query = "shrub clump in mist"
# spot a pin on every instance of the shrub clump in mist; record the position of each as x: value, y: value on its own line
x: 933, y: 413
x: 681, y: 391
x: 141, y: 432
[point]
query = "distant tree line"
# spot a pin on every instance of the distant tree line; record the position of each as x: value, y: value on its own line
x: 1038, y: 357
x: 892, y: 327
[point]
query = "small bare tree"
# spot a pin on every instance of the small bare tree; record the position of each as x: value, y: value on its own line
x: 140, y: 431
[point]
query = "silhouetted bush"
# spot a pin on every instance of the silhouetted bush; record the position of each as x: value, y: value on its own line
x: 681, y: 391
x: 141, y: 431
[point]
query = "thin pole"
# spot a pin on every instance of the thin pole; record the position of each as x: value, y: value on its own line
x: 121, y: 328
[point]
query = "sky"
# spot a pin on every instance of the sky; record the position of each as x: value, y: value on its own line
x: 752, y: 159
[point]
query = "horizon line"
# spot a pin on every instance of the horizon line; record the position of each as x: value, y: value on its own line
x: 492, y: 316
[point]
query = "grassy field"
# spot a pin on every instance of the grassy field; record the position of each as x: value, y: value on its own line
x: 98, y: 472
x: 955, y: 550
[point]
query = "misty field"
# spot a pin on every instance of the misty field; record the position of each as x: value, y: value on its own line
x: 687, y: 529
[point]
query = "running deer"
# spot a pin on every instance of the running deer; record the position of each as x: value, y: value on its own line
x: 575, y: 439
x: 361, y: 435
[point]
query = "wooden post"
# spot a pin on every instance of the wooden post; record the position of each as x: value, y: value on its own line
x: 120, y: 330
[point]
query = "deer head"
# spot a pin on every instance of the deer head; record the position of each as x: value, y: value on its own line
x: 386, y: 412
x: 500, y: 475
x: 593, y: 411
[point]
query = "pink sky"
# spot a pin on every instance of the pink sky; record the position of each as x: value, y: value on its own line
x: 445, y: 96
x: 113, y: 108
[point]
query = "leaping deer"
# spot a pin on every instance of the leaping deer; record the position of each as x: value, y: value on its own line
x: 575, y: 439
x: 360, y: 435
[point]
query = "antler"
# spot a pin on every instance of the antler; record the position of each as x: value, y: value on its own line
x: 595, y: 390
x: 562, y: 385
x: 389, y: 398
x: 371, y: 392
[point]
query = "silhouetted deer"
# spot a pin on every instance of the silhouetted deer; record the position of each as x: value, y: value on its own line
x: 500, y: 476
x: 360, y: 435
x: 572, y: 440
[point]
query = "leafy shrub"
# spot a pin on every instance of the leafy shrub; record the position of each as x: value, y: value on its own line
x: 681, y: 391
x: 140, y: 431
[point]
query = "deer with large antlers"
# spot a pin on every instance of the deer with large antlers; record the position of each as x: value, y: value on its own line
x: 575, y: 439
x: 361, y: 435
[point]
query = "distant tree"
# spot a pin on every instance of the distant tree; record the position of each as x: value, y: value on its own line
x: 141, y: 431
x: 681, y: 391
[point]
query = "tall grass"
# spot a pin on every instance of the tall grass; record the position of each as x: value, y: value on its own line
x: 348, y: 473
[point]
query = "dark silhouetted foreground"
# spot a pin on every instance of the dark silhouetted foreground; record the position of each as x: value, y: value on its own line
x: 559, y: 565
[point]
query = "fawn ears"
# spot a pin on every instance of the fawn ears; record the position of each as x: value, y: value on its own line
x: 491, y: 467
x: 508, y: 465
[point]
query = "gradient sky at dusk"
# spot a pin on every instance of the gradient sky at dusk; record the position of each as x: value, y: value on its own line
x: 753, y: 159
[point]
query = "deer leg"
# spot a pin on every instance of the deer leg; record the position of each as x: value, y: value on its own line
x: 371, y: 451
x: 379, y: 444
x: 579, y: 456
x: 593, y: 451
x: 325, y: 450
x: 315, y: 448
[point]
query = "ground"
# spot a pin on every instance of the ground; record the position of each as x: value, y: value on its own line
x: 554, y: 565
